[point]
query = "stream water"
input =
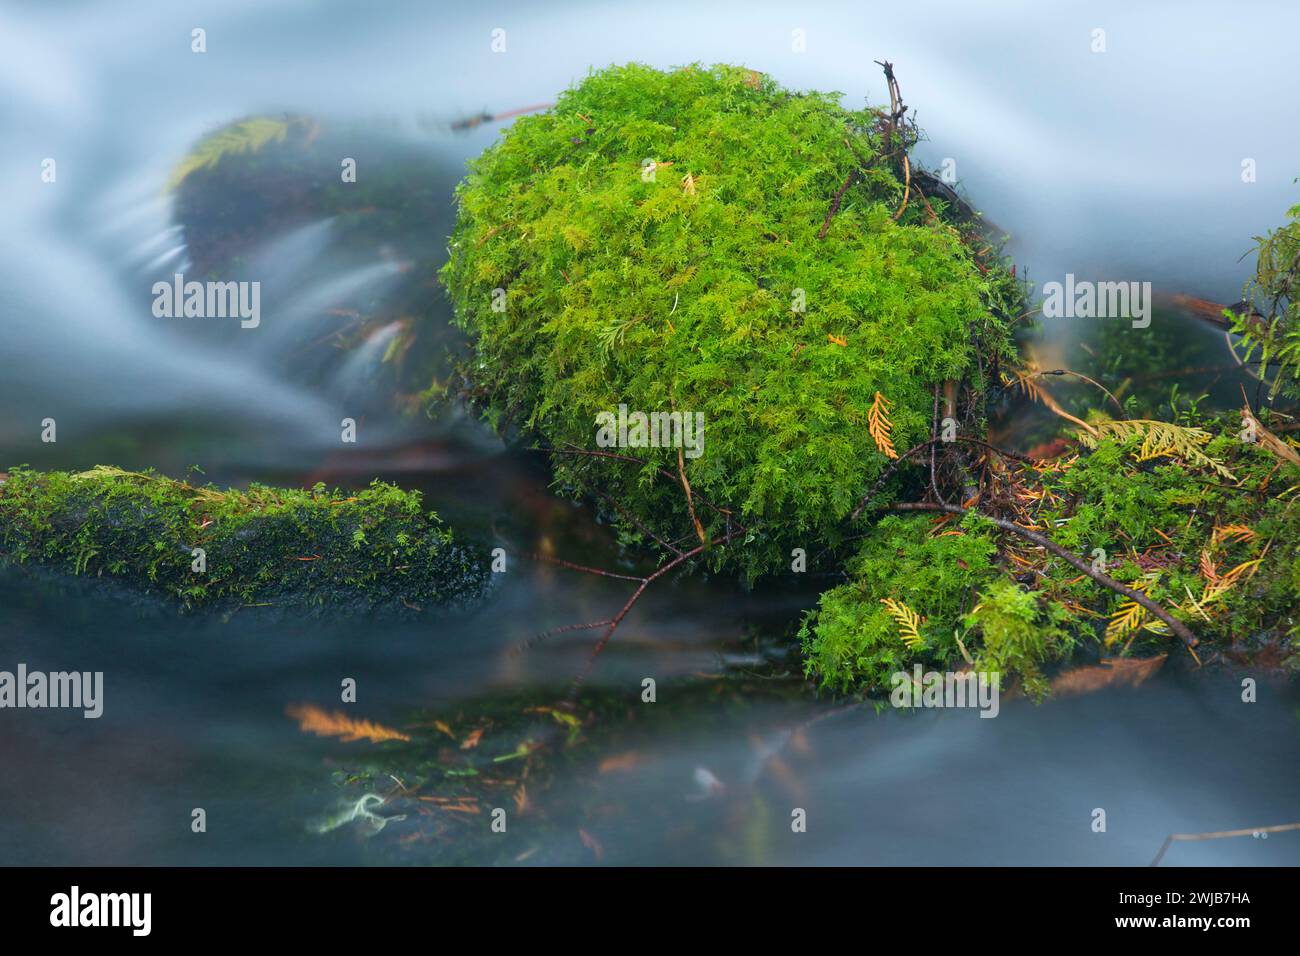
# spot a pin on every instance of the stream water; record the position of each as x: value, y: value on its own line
x: 1124, y: 164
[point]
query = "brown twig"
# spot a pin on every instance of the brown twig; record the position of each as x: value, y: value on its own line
x: 1219, y: 835
x: 934, y: 434
x: 907, y: 186
x: 690, y: 503
x: 587, y: 452
x: 636, y: 596
x: 637, y: 522
x: 1084, y: 378
x: 835, y: 203
x: 546, y: 558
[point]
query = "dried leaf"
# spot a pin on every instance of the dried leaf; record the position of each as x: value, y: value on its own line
x: 1232, y: 532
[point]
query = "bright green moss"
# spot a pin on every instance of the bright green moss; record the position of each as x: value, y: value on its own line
x: 1176, y: 531
x: 683, y: 291
x: 1273, y: 336
x: 370, y: 549
x: 1018, y: 632
x: 851, y: 640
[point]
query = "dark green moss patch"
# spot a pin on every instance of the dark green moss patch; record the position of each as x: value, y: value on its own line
x: 345, y: 551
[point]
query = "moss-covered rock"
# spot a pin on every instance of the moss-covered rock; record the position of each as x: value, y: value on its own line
x: 347, y: 551
x: 706, y: 242
x: 251, y: 182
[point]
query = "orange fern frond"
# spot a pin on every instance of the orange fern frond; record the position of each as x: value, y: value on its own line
x: 879, y: 425
x: 312, y: 719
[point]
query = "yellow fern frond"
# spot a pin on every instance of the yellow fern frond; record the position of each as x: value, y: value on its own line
x: 908, y: 621
x: 1131, y: 617
x: 1159, y: 440
x: 1229, y: 578
x: 1124, y: 621
x: 879, y: 425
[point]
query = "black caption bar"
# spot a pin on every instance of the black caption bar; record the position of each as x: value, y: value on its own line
x: 335, y: 905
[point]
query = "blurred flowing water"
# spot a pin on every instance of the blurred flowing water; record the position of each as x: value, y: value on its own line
x: 1121, y: 165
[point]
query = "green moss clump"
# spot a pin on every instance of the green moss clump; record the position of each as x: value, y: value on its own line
x: 375, y: 548
x: 702, y: 285
x: 1221, y: 555
x: 1273, y: 335
x: 851, y: 640
x: 1019, y: 631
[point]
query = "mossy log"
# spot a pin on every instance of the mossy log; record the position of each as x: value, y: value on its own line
x: 202, y: 546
